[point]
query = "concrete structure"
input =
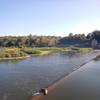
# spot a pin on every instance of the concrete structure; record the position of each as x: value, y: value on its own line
x: 83, y: 84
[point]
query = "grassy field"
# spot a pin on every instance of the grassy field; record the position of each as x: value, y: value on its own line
x: 9, y: 53
x: 14, y: 53
x: 85, y: 49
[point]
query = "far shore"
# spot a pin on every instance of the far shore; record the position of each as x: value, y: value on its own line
x: 22, y: 53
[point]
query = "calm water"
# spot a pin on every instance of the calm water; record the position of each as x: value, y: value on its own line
x: 19, y: 78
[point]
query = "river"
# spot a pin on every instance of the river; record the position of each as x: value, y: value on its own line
x: 19, y: 78
x: 82, y: 84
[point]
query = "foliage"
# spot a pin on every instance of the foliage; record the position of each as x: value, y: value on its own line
x: 28, y: 41
x: 80, y: 40
x: 31, y: 51
x: 11, y: 53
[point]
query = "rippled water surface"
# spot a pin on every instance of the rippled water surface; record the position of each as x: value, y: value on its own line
x: 83, y: 84
x: 19, y: 78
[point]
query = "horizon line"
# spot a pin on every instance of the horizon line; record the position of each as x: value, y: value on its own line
x: 34, y: 34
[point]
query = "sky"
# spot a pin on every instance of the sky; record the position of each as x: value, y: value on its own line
x: 49, y: 17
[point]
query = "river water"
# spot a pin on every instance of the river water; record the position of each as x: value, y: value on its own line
x: 19, y: 78
x: 82, y: 84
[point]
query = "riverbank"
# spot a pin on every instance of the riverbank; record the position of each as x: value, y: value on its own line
x: 55, y: 96
x: 15, y: 58
x: 12, y: 53
x: 22, y: 53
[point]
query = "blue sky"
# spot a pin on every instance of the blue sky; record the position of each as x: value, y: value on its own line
x: 49, y: 17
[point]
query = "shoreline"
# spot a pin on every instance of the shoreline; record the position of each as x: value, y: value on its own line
x: 28, y: 56
x: 15, y: 58
x: 31, y: 52
x: 33, y: 55
x: 42, y: 53
x: 57, y: 82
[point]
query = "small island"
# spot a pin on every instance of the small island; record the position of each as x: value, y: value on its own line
x: 10, y: 53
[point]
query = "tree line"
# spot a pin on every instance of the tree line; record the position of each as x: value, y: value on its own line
x: 49, y: 41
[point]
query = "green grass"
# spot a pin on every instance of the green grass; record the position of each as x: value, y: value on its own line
x: 31, y: 50
x: 24, y: 52
x: 85, y: 49
x: 40, y: 50
x: 11, y: 53
x: 48, y: 50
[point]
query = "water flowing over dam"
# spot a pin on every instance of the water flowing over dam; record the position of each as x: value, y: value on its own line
x: 83, y: 84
